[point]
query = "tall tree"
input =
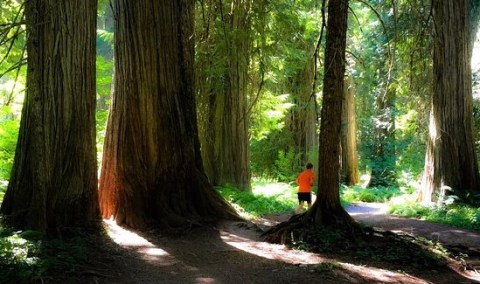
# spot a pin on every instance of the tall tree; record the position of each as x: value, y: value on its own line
x: 54, y: 177
x: 152, y: 169
x: 349, y: 167
x: 450, y: 159
x: 224, y: 119
x: 327, y: 210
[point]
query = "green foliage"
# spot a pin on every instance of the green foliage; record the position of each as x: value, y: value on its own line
x: 265, y: 152
x: 374, y: 194
x: 288, y: 165
x: 318, y: 239
x: 12, y: 41
x: 264, y: 199
x: 327, y: 267
x: 104, y: 76
x: 28, y: 256
x: 8, y: 141
x: 101, y: 124
x: 458, y: 215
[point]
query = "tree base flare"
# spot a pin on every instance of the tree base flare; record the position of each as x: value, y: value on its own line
x: 299, y: 226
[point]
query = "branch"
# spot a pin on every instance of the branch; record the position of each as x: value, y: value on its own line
x: 10, y: 96
x: 376, y: 13
x: 315, y: 59
x: 19, y: 64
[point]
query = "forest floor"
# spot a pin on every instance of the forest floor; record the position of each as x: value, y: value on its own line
x: 234, y: 253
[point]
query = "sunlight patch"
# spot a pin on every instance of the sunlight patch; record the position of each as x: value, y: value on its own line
x: 205, y: 280
x: 269, y: 251
x: 126, y: 238
x: 310, y: 261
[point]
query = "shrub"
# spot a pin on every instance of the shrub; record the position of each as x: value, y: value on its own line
x: 262, y: 200
x: 375, y: 194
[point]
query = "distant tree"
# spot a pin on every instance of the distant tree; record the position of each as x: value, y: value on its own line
x: 349, y: 167
x: 450, y: 162
x: 54, y: 177
x: 152, y: 169
x: 222, y: 73
x: 327, y: 210
x: 302, y: 118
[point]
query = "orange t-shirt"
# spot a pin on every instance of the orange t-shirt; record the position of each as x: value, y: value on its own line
x: 305, y: 181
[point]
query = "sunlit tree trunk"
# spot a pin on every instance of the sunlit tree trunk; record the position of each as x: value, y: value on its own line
x: 224, y: 119
x: 450, y: 159
x: 349, y: 167
x: 54, y: 178
x: 152, y: 169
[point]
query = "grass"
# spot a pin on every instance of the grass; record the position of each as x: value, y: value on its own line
x: 269, y: 198
x: 361, y: 194
x: 265, y: 198
x: 455, y: 214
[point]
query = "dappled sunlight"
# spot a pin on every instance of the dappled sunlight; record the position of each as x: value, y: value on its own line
x: 372, y: 274
x: 271, y: 189
x: 311, y: 260
x: 367, y: 208
x: 129, y: 239
x: 269, y: 251
x: 204, y: 280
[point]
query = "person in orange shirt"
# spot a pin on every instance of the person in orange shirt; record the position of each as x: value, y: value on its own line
x: 305, y: 181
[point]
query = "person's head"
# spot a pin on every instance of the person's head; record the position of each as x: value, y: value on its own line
x: 309, y: 166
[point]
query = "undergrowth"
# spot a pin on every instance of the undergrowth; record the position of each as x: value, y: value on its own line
x: 30, y: 257
x: 373, y: 194
x: 458, y: 215
x: 262, y: 200
x: 397, y: 250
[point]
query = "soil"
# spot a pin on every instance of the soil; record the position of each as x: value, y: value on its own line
x: 233, y: 252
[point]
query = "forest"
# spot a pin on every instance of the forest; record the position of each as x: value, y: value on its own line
x: 188, y: 122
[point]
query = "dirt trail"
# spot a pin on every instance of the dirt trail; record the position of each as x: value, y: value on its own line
x: 233, y: 253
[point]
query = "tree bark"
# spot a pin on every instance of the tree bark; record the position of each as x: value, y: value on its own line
x: 152, y: 169
x: 327, y: 210
x: 450, y: 162
x: 349, y: 166
x: 54, y: 176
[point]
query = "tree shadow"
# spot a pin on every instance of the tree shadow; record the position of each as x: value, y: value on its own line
x: 233, y: 253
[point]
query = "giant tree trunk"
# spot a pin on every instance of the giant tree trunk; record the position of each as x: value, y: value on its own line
x: 224, y: 117
x: 152, y: 170
x: 349, y: 167
x: 327, y: 210
x: 54, y: 177
x: 450, y: 159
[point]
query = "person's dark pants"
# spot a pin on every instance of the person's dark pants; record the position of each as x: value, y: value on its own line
x: 305, y: 196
